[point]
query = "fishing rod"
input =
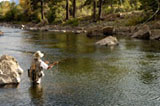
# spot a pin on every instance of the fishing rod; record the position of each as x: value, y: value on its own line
x: 54, y: 63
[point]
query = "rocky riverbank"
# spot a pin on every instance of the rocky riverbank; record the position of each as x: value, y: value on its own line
x: 148, y: 31
x: 52, y: 28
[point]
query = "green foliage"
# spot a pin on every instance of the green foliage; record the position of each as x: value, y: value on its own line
x: 13, y: 12
x: 136, y: 20
x: 123, y: 6
x: 72, y: 22
x: 56, y: 14
x: 150, y: 5
x: 55, y: 10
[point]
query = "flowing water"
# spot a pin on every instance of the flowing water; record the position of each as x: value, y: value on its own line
x: 88, y: 75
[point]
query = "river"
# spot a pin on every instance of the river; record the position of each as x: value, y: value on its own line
x: 88, y: 75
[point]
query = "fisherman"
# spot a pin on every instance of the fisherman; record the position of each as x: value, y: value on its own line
x: 36, y: 70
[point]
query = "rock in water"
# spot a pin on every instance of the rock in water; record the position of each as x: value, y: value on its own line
x: 143, y: 33
x: 108, y: 41
x: 10, y: 70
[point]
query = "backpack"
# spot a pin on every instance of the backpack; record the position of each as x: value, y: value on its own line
x: 35, y: 71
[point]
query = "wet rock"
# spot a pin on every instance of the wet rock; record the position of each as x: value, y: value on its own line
x: 155, y: 34
x: 33, y: 28
x: 123, y: 31
x: 108, y: 41
x: 10, y: 70
x: 108, y: 30
x: 77, y: 31
x: 44, y: 28
x: 143, y: 32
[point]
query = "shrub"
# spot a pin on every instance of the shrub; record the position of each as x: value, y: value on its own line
x: 136, y: 20
x: 72, y: 22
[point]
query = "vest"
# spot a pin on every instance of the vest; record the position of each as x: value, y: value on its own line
x: 35, y: 71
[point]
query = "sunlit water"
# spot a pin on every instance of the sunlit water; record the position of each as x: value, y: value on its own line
x: 88, y: 75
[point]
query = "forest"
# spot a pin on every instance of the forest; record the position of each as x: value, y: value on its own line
x: 74, y: 11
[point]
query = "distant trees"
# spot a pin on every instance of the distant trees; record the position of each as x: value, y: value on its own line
x: 36, y: 4
x: 74, y: 2
x: 26, y: 5
x: 61, y: 10
x: 96, y: 4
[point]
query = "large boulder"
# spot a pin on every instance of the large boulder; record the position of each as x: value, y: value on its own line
x: 123, y: 30
x: 10, y: 70
x: 143, y: 32
x: 108, y: 41
x: 155, y: 34
x: 101, y: 31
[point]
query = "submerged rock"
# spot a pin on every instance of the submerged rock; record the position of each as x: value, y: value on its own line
x: 108, y: 41
x: 10, y: 70
x: 143, y: 33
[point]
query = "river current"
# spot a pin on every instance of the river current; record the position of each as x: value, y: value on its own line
x: 87, y: 75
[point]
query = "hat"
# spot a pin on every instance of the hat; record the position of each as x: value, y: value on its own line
x: 38, y: 54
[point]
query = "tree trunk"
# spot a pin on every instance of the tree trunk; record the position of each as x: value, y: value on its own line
x: 111, y: 4
x: 100, y: 10
x: 74, y: 8
x: 67, y: 9
x: 94, y: 10
x: 42, y: 13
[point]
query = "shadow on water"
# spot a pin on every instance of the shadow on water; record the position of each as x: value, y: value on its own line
x: 36, y: 95
x: 9, y: 86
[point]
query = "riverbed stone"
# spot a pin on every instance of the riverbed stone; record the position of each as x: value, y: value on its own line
x: 10, y: 70
x: 108, y: 41
x: 143, y: 32
x: 127, y: 31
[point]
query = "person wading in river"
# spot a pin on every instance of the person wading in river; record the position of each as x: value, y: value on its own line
x: 35, y: 73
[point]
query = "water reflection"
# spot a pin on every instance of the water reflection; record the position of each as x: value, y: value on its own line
x: 36, y: 94
x: 9, y: 86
